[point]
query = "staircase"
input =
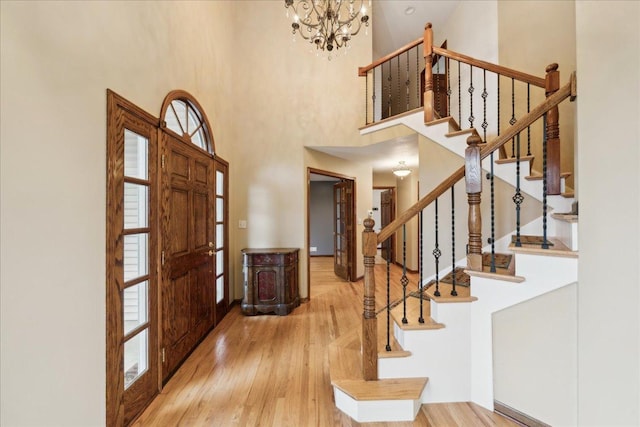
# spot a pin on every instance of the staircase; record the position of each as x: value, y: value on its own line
x: 448, y: 357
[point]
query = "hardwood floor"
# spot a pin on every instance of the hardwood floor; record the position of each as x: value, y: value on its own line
x: 273, y: 371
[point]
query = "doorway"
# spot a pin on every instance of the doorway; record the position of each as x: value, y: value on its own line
x: 331, y: 221
x: 167, y: 246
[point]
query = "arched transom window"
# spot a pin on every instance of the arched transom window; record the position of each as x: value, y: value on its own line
x: 183, y: 116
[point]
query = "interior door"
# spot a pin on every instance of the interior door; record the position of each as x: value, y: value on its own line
x: 387, y: 214
x: 188, y: 250
x: 343, y: 228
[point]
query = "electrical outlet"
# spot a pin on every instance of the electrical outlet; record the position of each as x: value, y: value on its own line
x: 313, y: 249
x: 242, y: 223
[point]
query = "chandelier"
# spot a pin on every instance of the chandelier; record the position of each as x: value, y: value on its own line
x: 401, y: 170
x: 328, y: 23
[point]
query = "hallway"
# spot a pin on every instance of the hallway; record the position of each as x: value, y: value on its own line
x: 274, y: 371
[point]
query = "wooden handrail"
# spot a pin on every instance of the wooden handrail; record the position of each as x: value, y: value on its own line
x: 362, y: 71
x: 552, y: 101
x: 498, y: 69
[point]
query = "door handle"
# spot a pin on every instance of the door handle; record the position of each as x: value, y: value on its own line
x: 210, y: 252
x: 210, y: 244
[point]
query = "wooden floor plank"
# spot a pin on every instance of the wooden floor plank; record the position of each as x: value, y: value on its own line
x: 272, y: 370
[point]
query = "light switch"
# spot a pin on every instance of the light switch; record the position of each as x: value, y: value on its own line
x: 242, y: 223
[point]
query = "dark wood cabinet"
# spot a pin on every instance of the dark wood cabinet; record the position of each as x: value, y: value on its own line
x: 270, y: 280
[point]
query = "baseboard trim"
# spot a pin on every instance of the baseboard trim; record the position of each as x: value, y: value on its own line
x: 516, y: 415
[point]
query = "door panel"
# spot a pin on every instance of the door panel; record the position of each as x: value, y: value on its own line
x: 343, y: 223
x: 188, y: 290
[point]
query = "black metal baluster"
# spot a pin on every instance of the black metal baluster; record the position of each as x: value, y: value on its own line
x: 484, y: 95
x: 404, y: 280
x: 437, y: 85
x: 408, y: 81
x: 513, y: 115
x: 459, y: 98
x: 448, y: 87
x: 528, y: 127
x: 518, y: 197
x: 389, y: 79
x: 498, y: 77
x: 399, y: 105
x: 388, y: 244
x: 373, y: 98
x: 418, y: 82
x: 436, y: 255
x: 453, y: 243
x: 420, y: 255
x: 493, y: 219
x: 366, y: 100
x: 545, y: 243
x: 470, y: 90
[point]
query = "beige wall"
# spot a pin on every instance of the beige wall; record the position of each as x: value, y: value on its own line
x: 532, y: 35
x: 286, y: 99
x: 407, y: 196
x: 609, y: 162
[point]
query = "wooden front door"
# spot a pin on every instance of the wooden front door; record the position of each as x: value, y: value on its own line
x: 387, y: 214
x: 188, y: 251
x: 343, y: 228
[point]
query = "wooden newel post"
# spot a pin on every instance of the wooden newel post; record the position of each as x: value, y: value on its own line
x: 369, y: 320
x: 552, y: 84
x: 473, y: 181
x: 429, y: 106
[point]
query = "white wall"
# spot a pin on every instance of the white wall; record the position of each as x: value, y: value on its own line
x: 535, y: 357
x: 609, y: 162
x: 58, y: 59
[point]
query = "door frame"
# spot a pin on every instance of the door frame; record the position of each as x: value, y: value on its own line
x: 352, y: 241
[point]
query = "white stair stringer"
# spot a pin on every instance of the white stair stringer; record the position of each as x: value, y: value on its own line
x: 543, y: 274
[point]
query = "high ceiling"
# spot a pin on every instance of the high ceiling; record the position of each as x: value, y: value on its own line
x: 393, y: 27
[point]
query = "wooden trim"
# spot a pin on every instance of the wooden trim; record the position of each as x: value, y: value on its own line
x: 555, y: 99
x: 503, y: 71
x: 122, y: 114
x: 353, y: 243
x: 362, y: 71
x: 183, y: 95
x: 518, y: 416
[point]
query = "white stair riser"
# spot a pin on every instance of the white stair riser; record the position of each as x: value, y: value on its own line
x: 376, y: 410
x: 567, y: 233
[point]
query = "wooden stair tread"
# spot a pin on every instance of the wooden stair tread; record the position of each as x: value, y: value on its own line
x: 566, y: 217
x: 569, y: 195
x: 539, y: 177
x: 452, y: 122
x: 385, y: 389
x: 505, y: 276
x: 514, y: 159
x: 464, y: 293
x: 558, y: 249
x: 470, y: 131
x: 413, y: 313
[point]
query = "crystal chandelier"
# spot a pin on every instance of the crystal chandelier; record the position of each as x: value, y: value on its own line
x: 328, y: 23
